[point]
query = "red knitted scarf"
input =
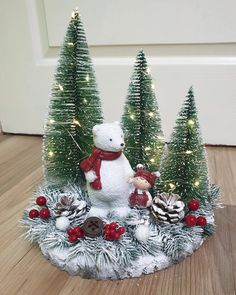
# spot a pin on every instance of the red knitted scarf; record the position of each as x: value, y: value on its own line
x: 93, y: 162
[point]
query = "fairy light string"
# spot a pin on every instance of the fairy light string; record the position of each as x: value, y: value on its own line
x: 74, y: 108
x: 184, y: 167
x: 141, y: 118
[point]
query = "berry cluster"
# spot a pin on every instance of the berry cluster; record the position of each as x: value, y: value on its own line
x: 112, y: 232
x: 44, y: 213
x: 75, y: 233
x: 192, y: 220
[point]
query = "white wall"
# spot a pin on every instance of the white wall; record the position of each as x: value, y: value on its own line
x: 186, y: 42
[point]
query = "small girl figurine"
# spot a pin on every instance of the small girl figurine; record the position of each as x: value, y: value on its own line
x: 142, y: 181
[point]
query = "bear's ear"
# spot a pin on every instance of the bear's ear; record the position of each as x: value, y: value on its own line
x: 117, y: 123
x: 95, y: 129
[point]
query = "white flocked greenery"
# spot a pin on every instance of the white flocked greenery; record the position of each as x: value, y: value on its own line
x: 128, y: 257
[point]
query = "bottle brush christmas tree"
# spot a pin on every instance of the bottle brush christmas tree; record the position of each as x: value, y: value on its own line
x: 184, y: 166
x: 141, y: 119
x: 74, y: 108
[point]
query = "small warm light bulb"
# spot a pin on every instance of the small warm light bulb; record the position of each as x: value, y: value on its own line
x: 196, y: 183
x: 51, y: 121
x: 188, y: 152
x: 132, y: 117
x: 73, y: 14
x: 171, y: 185
x: 147, y: 148
x: 148, y: 70
x: 153, y: 86
x: 76, y: 122
x: 70, y: 44
x: 87, y: 78
x: 50, y: 153
x: 151, y: 114
x: 152, y: 160
x: 85, y: 100
x: 60, y: 87
x: 191, y: 123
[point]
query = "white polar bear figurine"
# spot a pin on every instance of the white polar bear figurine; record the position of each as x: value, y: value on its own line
x: 107, y: 171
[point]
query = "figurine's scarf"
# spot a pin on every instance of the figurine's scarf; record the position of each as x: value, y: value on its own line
x: 93, y: 162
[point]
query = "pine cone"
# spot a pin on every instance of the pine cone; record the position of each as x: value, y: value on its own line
x: 70, y: 207
x: 167, y: 208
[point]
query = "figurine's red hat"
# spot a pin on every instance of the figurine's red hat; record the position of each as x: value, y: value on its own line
x: 149, y: 176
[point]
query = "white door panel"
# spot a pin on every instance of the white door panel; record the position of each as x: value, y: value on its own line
x: 113, y: 22
x: 33, y: 29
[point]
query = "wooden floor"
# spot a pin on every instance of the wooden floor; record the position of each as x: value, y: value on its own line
x: 23, y: 269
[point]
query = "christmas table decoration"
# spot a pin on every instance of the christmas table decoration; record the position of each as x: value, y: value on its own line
x: 95, y: 215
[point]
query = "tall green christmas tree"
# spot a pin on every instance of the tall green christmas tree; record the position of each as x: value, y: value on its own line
x: 141, y: 119
x: 184, y: 167
x: 74, y: 108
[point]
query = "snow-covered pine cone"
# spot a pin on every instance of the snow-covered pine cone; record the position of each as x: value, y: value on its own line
x: 168, y: 208
x: 70, y: 207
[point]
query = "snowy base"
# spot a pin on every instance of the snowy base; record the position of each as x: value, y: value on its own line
x: 143, y: 265
x: 144, y: 248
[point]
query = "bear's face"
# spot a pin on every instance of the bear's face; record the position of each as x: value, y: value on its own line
x: 108, y: 137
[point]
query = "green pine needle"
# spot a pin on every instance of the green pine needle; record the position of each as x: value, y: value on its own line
x: 184, y: 166
x: 141, y: 119
x: 74, y: 109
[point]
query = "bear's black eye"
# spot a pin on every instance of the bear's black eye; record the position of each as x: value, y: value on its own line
x: 110, y: 139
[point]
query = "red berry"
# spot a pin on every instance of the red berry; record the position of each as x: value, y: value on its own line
x: 107, y: 237
x: 41, y: 201
x: 107, y: 226
x: 108, y: 232
x: 121, y: 230
x: 113, y: 225
x: 33, y: 213
x: 201, y: 221
x: 112, y: 233
x: 80, y: 234
x: 116, y: 236
x: 71, y: 231
x: 77, y: 230
x: 72, y: 238
x: 193, y: 204
x: 190, y: 220
x: 44, y: 213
